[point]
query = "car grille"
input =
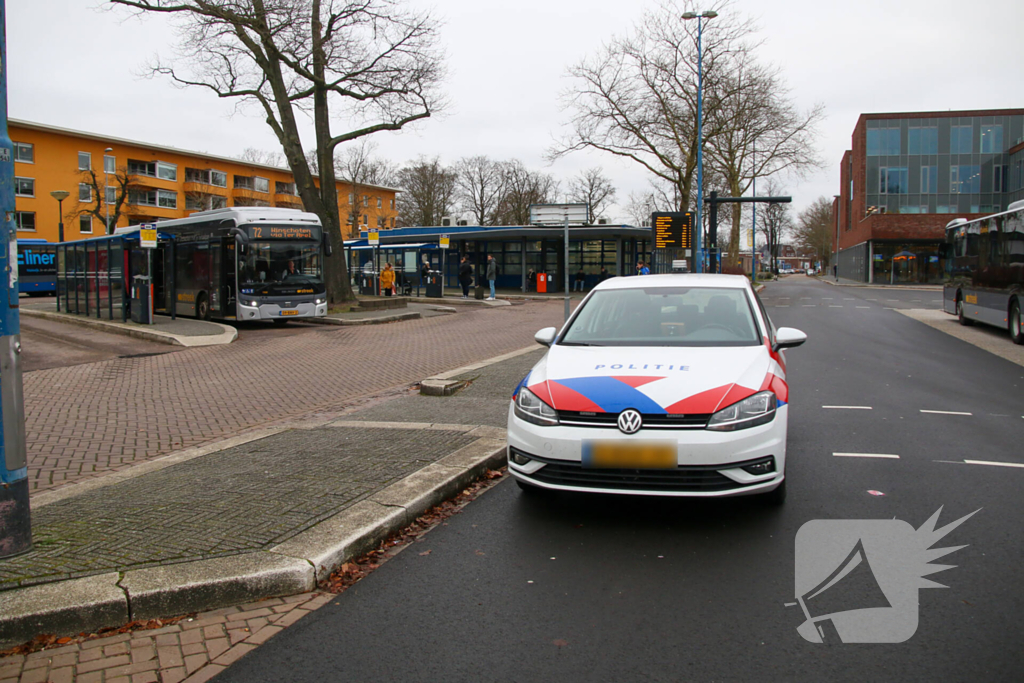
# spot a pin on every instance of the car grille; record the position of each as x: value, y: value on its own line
x: 685, y: 478
x: 650, y: 420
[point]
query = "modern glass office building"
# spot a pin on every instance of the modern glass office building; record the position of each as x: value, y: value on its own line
x: 908, y: 174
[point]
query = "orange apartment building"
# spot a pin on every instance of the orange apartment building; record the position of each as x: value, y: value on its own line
x: 151, y: 182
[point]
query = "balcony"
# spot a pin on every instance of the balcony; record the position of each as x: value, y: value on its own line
x: 288, y: 201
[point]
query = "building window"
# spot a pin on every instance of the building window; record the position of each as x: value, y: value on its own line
x: 923, y: 140
x: 261, y: 184
x: 84, y: 192
x: 218, y: 202
x: 380, y: 202
x: 25, y: 220
x: 166, y: 171
x: 243, y: 182
x: 366, y: 201
x: 109, y: 163
x: 111, y: 194
x: 965, y: 179
x: 1000, y: 178
x: 381, y: 223
x: 85, y: 225
x: 142, y: 197
x: 883, y: 142
x: 392, y: 204
x: 959, y: 139
x: 929, y: 179
x: 25, y: 187
x: 146, y: 168
x: 84, y: 161
x: 946, y: 208
x: 351, y: 199
x: 365, y: 219
x: 218, y: 178
x: 992, y: 139
x: 892, y: 180
x: 24, y: 152
x: 195, y: 202
x: 167, y: 199
x: 285, y: 188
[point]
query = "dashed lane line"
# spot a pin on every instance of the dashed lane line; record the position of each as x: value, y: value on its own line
x: 993, y: 463
x: 863, y: 307
x: 946, y: 412
x: 888, y: 456
x: 847, y: 407
x: 835, y: 306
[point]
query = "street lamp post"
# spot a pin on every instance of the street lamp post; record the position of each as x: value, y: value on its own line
x: 700, y: 134
x: 60, y: 196
x: 106, y: 186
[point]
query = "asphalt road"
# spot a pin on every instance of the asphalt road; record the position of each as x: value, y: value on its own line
x: 591, y: 588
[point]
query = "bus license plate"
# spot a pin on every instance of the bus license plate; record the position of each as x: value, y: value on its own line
x: 289, y: 312
x: 643, y: 455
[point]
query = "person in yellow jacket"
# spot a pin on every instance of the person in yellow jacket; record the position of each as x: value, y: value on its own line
x: 387, y: 279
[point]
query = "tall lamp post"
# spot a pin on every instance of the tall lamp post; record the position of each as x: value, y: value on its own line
x: 60, y: 196
x: 700, y: 134
x: 106, y: 186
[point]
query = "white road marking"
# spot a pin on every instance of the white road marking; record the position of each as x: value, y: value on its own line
x: 872, y: 299
x: 826, y: 298
x: 781, y: 305
x: 995, y: 464
x: 808, y: 305
x: 945, y: 412
x: 869, y: 455
x: 848, y: 407
x: 863, y: 307
x: 805, y: 297
x: 848, y: 299
x: 892, y: 300
x: 834, y: 306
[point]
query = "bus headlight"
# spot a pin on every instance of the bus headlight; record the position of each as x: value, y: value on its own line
x: 319, y: 301
x: 754, y: 410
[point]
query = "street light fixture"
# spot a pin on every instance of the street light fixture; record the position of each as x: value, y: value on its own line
x: 60, y: 196
x: 106, y: 186
x: 710, y: 14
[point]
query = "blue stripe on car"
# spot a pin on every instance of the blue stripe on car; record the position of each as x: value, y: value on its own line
x: 522, y: 384
x: 612, y: 395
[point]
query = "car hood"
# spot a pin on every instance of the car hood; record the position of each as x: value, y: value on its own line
x: 655, y: 380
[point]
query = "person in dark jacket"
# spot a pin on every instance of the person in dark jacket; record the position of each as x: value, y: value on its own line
x: 465, y: 276
x: 492, y: 273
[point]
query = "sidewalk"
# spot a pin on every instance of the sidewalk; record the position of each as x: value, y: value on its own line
x: 412, y: 311
x: 845, y: 282
x: 265, y: 514
x: 179, y: 332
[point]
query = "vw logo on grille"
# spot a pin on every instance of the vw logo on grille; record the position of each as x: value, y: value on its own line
x: 630, y: 421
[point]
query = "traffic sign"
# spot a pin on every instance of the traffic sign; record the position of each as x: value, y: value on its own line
x: 147, y: 238
x: 374, y: 238
x: 444, y: 241
x: 672, y: 230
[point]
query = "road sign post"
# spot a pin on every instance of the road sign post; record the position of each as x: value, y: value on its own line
x: 15, y: 524
x: 554, y: 214
x: 444, y: 244
x: 374, y: 239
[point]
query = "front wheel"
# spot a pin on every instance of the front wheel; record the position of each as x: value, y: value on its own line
x: 964, y: 320
x: 1016, y: 324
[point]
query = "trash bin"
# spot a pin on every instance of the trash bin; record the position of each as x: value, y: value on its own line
x: 478, y: 292
x: 542, y: 283
x: 367, y: 282
x: 433, y: 285
x: 142, y: 304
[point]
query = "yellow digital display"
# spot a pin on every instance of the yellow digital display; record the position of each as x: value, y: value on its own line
x: 672, y: 230
x: 283, y: 232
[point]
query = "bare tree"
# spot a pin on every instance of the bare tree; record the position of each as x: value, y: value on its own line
x: 428, y: 192
x: 637, y: 98
x: 521, y: 187
x: 479, y: 187
x: 262, y: 156
x: 591, y: 187
x: 122, y: 185
x: 371, y: 63
x: 775, y: 223
x: 757, y: 132
x: 815, y: 229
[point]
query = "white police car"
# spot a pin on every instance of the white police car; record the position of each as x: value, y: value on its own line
x: 671, y: 385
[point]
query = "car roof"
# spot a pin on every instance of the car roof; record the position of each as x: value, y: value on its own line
x: 677, y: 280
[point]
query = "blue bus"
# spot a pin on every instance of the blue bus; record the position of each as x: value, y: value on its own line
x: 37, y: 267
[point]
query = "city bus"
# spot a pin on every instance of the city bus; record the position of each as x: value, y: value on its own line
x: 243, y: 263
x: 985, y: 270
x: 37, y: 267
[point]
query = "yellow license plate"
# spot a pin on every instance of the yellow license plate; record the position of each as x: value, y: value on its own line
x: 289, y: 312
x: 642, y: 455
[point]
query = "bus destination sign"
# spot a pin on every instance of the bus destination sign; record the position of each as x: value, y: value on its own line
x: 672, y: 230
x: 284, y: 232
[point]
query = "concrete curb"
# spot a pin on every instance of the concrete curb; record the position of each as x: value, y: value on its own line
x: 108, y: 600
x: 379, y: 320
x: 227, y: 335
x: 865, y: 285
x: 460, y: 302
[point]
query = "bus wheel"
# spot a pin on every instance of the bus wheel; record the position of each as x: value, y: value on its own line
x: 1016, y: 329
x: 964, y: 320
x: 202, y: 307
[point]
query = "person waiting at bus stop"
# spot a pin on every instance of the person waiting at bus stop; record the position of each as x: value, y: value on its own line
x: 465, y: 276
x: 581, y: 279
x: 387, y: 279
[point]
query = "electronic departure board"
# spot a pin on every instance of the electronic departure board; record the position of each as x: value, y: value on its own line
x: 283, y: 232
x: 672, y: 230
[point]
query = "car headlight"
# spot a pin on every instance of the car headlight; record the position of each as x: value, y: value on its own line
x: 750, y: 412
x: 530, y: 408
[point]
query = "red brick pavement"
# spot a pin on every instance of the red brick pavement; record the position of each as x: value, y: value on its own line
x: 89, y: 420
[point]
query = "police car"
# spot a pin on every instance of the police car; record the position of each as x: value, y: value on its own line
x: 669, y: 385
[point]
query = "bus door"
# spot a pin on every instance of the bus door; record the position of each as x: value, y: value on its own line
x: 216, y: 288
x: 160, y: 285
x: 230, y: 272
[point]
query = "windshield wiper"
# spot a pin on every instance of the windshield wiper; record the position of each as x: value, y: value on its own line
x: 568, y: 343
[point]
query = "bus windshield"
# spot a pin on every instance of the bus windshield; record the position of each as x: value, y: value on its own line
x: 281, y: 262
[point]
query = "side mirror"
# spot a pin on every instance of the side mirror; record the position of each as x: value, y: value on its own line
x: 787, y: 338
x: 546, y: 336
x: 241, y: 239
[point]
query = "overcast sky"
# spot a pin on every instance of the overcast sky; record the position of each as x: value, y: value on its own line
x: 73, y: 65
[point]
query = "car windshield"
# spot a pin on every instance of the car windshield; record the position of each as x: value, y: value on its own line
x: 665, y: 316
x: 281, y: 262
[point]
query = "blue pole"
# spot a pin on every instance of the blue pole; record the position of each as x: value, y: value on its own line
x: 15, y: 528
x: 699, y: 258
